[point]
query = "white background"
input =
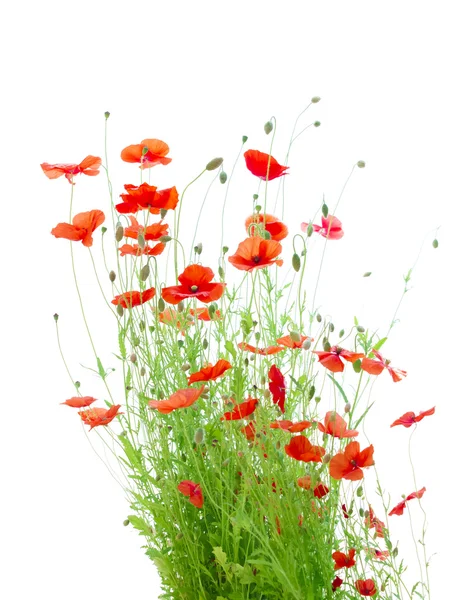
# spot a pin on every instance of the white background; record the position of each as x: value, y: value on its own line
x: 397, y: 88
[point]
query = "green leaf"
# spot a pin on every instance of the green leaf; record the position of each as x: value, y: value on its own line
x: 140, y: 524
x: 338, y: 386
x: 380, y: 343
x: 101, y: 371
x: 122, y: 345
x: 220, y: 557
x: 230, y: 346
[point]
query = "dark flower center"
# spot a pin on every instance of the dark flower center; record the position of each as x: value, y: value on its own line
x: 256, y: 259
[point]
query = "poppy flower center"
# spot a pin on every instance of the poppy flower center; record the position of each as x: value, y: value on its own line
x: 256, y: 259
x: 193, y: 288
x: 353, y: 463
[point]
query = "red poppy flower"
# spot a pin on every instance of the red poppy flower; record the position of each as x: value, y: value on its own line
x: 337, y: 583
x: 366, y: 588
x: 332, y: 360
x: 320, y: 490
x: 136, y: 250
x: 82, y: 227
x: 193, y: 491
x: 344, y: 511
x: 146, y: 197
x: 132, y: 299
x: 300, y: 448
x: 290, y: 426
x: 399, y: 508
x: 99, y: 416
x: 240, y: 411
x: 148, y: 153
x: 375, y: 367
x: 372, y: 521
x: 409, y: 418
x: 79, y: 401
x: 335, y: 425
x: 262, y: 164
x: 195, y: 283
x: 89, y: 166
x: 289, y: 343
x: 377, y: 554
x: 151, y: 233
x: 179, y: 399
x: 344, y: 560
x: 272, y: 225
x: 277, y: 386
x: 203, y: 314
x: 304, y: 482
x: 210, y: 372
x: 349, y: 464
x: 260, y: 351
x: 256, y: 253
x: 249, y: 431
x: 331, y: 228
x: 172, y: 317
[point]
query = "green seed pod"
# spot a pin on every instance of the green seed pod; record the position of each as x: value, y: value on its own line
x: 185, y: 367
x: 180, y: 306
x: 360, y: 329
x: 144, y: 272
x: 198, y: 249
x: 361, y: 164
x: 214, y: 164
x: 315, y: 99
x: 133, y: 358
x: 142, y: 371
x: 163, y: 213
x: 221, y: 272
x: 312, y: 391
x: 255, y: 197
x: 119, y: 310
x: 341, y: 333
x: 119, y: 233
x: 325, y: 210
x: 367, y: 274
x: 205, y: 344
x: 357, y: 365
x: 257, y: 336
x: 225, y: 249
x: 360, y: 491
x: 164, y: 239
x: 362, y: 512
x: 331, y: 327
x: 161, y: 305
x: 309, y: 230
x: 435, y: 243
x: 126, y: 521
x: 77, y: 384
x: 141, y: 240
x: 268, y: 127
x: 296, y: 262
x: 295, y: 336
x: 327, y: 347
x: 107, y: 114
x: 306, y: 344
x: 199, y: 436
x: 318, y: 318
x: 103, y: 230
x: 112, y: 276
x: 223, y: 177
x: 56, y: 316
x: 317, y: 123
x: 244, y: 139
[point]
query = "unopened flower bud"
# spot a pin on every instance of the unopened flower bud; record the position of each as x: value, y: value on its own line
x: 164, y: 239
x: 360, y: 491
x: 221, y: 272
x: 326, y: 458
x: 341, y: 333
x: 198, y: 248
x: 367, y: 274
x: 327, y: 347
x: 309, y: 230
x: 214, y: 164
x: 180, y: 306
x: 77, y: 384
x: 306, y: 344
x: 268, y: 127
x: 361, y: 164
x: 312, y: 391
x: 257, y: 336
x: 144, y: 272
x: 363, y: 513
x: 255, y: 197
x: 295, y: 336
x: 107, y: 114
x: 296, y: 262
x: 119, y: 233
x: 112, y: 276
x: 163, y: 213
x: 126, y: 521
x: 223, y: 177
x: 212, y: 310
x: 244, y: 139
x: 435, y: 243
x: 204, y: 396
x: 360, y: 329
x: 357, y: 365
x: 267, y: 235
x: 185, y: 367
x: 145, y: 150
x: 119, y: 310
x: 331, y: 327
x: 315, y: 99
x: 199, y: 435
x: 142, y: 371
x: 318, y: 318
x: 267, y: 394
x: 317, y: 123
x: 395, y: 551
x: 205, y: 344
x: 161, y: 305
x: 325, y: 210
x: 133, y: 358
x: 56, y: 316
x: 347, y: 407
x: 246, y: 362
x: 206, y: 390
x: 263, y: 379
x: 141, y: 240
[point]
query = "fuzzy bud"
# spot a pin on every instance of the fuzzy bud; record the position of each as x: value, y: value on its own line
x: 347, y: 407
x: 112, y: 276
x: 367, y: 274
x: 325, y: 210
x: 198, y: 249
x: 185, y: 367
x: 362, y: 513
x: 255, y: 197
x: 225, y: 249
x: 144, y: 272
x: 214, y: 164
x: 107, y: 114
x: 296, y: 262
x: 221, y: 272
x: 361, y: 164
x: 312, y: 391
x: 212, y: 310
x: 161, y: 305
x: 119, y: 310
x: 263, y: 379
x: 315, y: 99
x: 306, y: 344
x: 257, y: 336
x: 205, y: 344
x: 56, y: 316
x: 357, y: 365
x: 326, y: 458
x: 141, y: 240
x: 435, y: 243
x: 318, y: 318
x: 360, y: 329
x: 164, y: 239
x: 133, y: 358
x: 103, y: 230
x: 119, y: 233
x: 360, y: 491
x: 199, y: 436
x: 295, y: 336
x: 268, y: 127
x: 180, y: 306
x: 77, y: 384
x: 244, y: 139
x: 331, y: 327
x: 223, y: 177
x: 317, y: 123
x: 126, y: 521
x: 267, y: 394
x: 341, y: 333
x: 309, y: 230
x: 327, y: 347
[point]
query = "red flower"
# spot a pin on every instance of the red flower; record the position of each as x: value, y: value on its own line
x: 320, y: 490
x: 195, y: 283
x: 272, y: 225
x: 249, y: 431
x: 290, y: 426
x: 378, y: 554
x: 399, y: 508
x: 337, y: 583
x: 132, y: 299
x: 79, y: 402
x: 171, y: 317
x: 148, y: 153
x: 375, y: 367
x: 261, y: 164
x: 136, y: 250
x: 99, y: 416
x: 277, y: 386
x: 210, y: 372
x: 193, y: 491
x: 289, y: 343
x: 300, y: 448
x: 240, y: 411
x: 335, y: 425
x: 179, y: 399
x: 344, y: 511
x: 372, y: 521
x: 256, y: 253
x: 202, y: 314
x: 349, y: 464
x: 82, y: 228
x: 366, y: 588
x: 89, y: 166
x: 261, y: 351
x: 332, y: 360
x: 146, y: 197
x: 344, y: 560
x: 331, y: 228
x: 151, y: 233
x: 409, y: 418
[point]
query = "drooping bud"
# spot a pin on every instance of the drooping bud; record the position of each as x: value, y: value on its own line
x: 435, y: 243
x: 267, y: 394
x: 164, y: 239
x: 244, y: 139
x: 312, y: 391
x: 341, y: 333
x: 296, y: 262
x: 327, y: 347
x: 268, y: 127
x: 357, y: 365
x: 126, y: 521
x: 360, y: 491
x: 309, y: 230
x: 318, y: 318
x: 56, y: 316
x: 142, y: 371
x: 315, y: 99
x: 119, y: 310
x: 205, y: 344
x: 306, y: 344
x: 223, y: 177
x: 221, y: 272
x: 145, y: 272
x: 141, y: 240
x: 163, y: 213
x: 360, y: 329
x: 199, y: 436
x: 367, y: 274
x: 347, y: 407
x: 180, y: 306
x: 317, y: 123
x: 133, y: 358
x: 185, y: 367
x: 255, y: 196
x: 112, y: 276
x: 325, y: 210
x: 331, y: 327
x: 77, y: 384
x: 258, y: 207
x: 295, y: 336
x: 361, y: 164
x: 198, y: 248
x: 214, y: 164
x: 326, y: 458
x: 161, y: 305
x: 257, y: 335
x: 119, y: 233
x: 212, y: 310
x: 107, y: 114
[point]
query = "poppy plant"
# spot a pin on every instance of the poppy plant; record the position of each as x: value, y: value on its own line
x: 377, y: 554
x: 332, y: 359
x: 195, y: 282
x: 256, y: 253
x: 335, y: 425
x: 210, y: 373
x: 371, y: 521
x: 180, y: 399
x: 79, y: 401
x: 290, y: 343
x: 331, y: 228
x: 148, y: 153
x: 89, y: 166
x: 146, y: 197
x: 300, y: 448
x: 263, y: 165
x: 151, y: 233
x: 132, y: 299
x: 240, y: 411
x: 377, y: 365
x: 349, y: 464
x: 260, y: 351
x: 343, y: 560
x: 277, y: 386
x: 409, y: 418
x: 136, y: 250
x: 193, y: 491
x: 81, y: 229
x: 399, y: 508
x: 277, y: 230
x: 99, y: 416
x: 286, y: 425
x: 366, y: 587
x: 203, y: 314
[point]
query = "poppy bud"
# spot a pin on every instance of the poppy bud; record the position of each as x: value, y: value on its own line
x: 327, y: 347
x: 152, y: 329
x: 163, y: 213
x: 141, y: 240
x: 214, y: 164
x: 77, y: 384
x: 258, y: 207
x: 257, y: 336
x: 326, y: 458
x: 315, y: 99
x: 268, y: 127
x: 103, y: 230
x: 185, y: 367
x: 347, y: 407
x: 360, y: 491
x: 133, y: 358
x: 225, y: 249
x: 164, y: 239
x: 179, y: 536
x: 317, y: 123
x: 357, y: 365
x: 309, y: 230
x: 435, y: 243
x: 331, y: 327
x: 267, y: 394
x: 119, y: 310
x: 312, y: 391
x: 56, y: 316
x: 204, y: 396
x: 244, y: 139
x: 180, y: 306
x: 223, y: 177
x: 144, y: 272
x: 318, y: 318
x: 119, y: 233
x: 341, y: 333
x: 221, y: 272
x: 161, y: 305
x: 142, y: 371
x: 206, y: 390
x: 255, y: 197
x: 361, y: 164
x: 198, y: 248
x: 296, y: 262
x: 107, y: 114
x: 212, y: 310
x: 253, y: 357
x: 205, y: 344
x: 395, y: 551
x: 199, y: 435
x: 325, y: 210
x: 362, y: 513
x: 126, y: 521
x: 112, y: 276
x: 246, y: 362
x: 360, y: 329
x: 294, y: 335
x: 367, y: 274
x: 306, y: 344
x: 263, y: 379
